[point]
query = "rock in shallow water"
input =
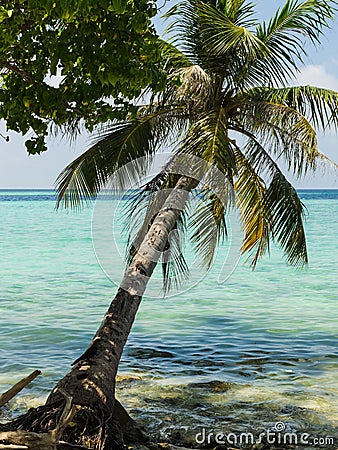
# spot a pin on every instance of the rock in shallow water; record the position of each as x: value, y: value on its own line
x: 121, y: 378
x: 146, y: 353
x: 215, y: 386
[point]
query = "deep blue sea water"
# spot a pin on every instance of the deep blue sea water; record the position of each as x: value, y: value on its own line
x: 257, y: 349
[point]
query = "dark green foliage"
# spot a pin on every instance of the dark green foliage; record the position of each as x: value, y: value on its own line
x: 61, y: 60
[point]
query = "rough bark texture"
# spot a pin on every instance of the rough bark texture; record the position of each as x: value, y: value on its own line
x: 91, y: 381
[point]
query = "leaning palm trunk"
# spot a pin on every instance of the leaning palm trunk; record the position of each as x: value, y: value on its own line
x: 91, y: 382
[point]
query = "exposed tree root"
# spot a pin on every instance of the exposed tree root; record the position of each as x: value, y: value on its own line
x: 63, y: 426
x: 85, y: 428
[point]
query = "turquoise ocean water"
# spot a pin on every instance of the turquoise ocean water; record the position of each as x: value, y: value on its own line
x: 259, y: 349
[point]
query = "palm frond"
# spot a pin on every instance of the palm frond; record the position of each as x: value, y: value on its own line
x: 318, y: 105
x: 211, y: 34
x: 174, y: 265
x: 132, y: 142
x: 207, y: 138
x: 281, y: 201
x: 288, y: 134
x: 208, y: 225
x: 221, y: 34
x: 173, y: 58
x: 240, y: 12
x: 255, y: 214
x: 288, y: 214
x: 285, y: 36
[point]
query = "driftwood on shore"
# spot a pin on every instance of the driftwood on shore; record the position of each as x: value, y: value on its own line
x: 14, y: 390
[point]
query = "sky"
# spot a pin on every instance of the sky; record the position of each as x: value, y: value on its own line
x: 18, y: 170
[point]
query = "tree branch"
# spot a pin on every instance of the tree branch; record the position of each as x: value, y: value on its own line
x: 13, y: 391
x: 27, y: 77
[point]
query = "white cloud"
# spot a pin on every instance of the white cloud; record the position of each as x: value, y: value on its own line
x: 316, y: 75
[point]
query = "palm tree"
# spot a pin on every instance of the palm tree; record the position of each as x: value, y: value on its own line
x: 228, y: 104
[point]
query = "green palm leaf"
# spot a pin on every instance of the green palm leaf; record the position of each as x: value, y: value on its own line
x: 208, y: 139
x: 255, y: 214
x: 208, y: 225
x: 285, y: 131
x: 270, y: 207
x: 174, y: 266
x: 212, y: 34
x: 282, y: 202
x: 285, y: 36
x: 288, y: 212
x: 318, y: 105
x: 121, y: 143
x: 221, y: 34
x: 173, y: 58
